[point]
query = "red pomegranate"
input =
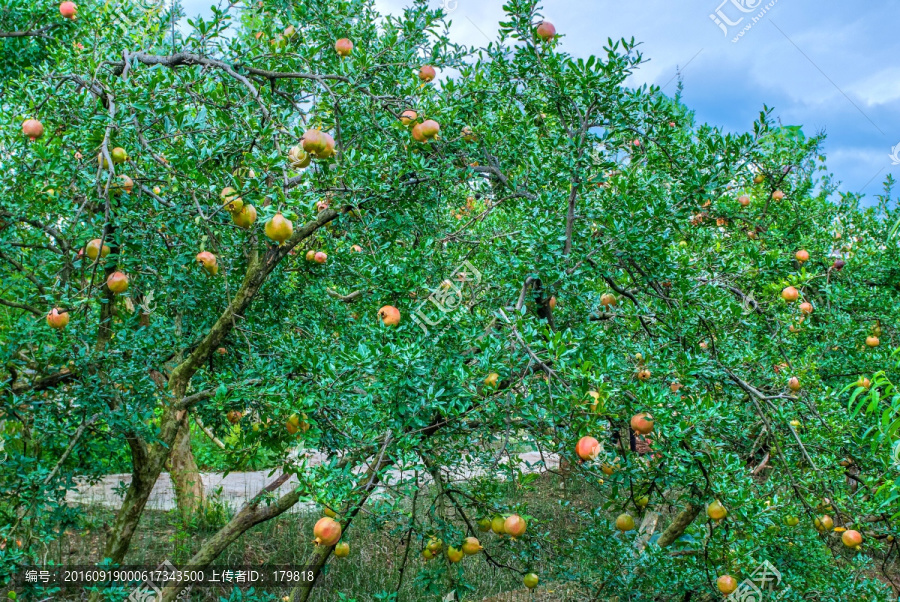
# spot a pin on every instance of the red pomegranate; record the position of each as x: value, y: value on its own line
x: 546, y: 31
x: 514, y: 525
x: 426, y: 73
x: 33, y: 128
x: 117, y: 282
x: 642, y: 423
x: 68, y: 9
x: 588, y: 448
x: 208, y: 261
x: 327, y: 531
x: 57, y: 319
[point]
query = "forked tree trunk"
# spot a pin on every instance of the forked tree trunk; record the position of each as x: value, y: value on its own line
x: 189, y: 492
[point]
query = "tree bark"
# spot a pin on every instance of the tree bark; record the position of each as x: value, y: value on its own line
x: 682, y: 521
x: 189, y: 492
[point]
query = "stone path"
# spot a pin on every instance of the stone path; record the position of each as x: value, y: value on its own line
x: 238, y: 487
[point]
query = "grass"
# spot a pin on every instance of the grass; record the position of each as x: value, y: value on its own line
x: 371, y: 570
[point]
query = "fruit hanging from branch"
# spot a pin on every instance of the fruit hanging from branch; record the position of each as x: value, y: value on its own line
x: 625, y: 522
x: 68, y: 10
x: 794, y: 384
x: 851, y: 538
x: 299, y: 158
x: 726, y: 584
x: 497, y: 525
x: 491, y: 380
x: 343, y: 47
x: 546, y: 31
x: 33, y: 128
x: 873, y: 341
x: 390, y: 315
x: 471, y: 546
x: 320, y: 257
x: 245, y: 217
x: 96, y: 248
x: 408, y: 117
x: 790, y: 294
x: 117, y: 282
x: 231, y: 200
x: 802, y: 256
x: 327, y: 532
x: 514, y: 525
x: 124, y: 184
x: 279, y: 228
x: 642, y: 423
x: 530, y: 580
x: 57, y: 319
x: 119, y: 155
x: 588, y: 448
x: 208, y: 261
x: 454, y: 554
x: 342, y: 549
x: 716, y: 511
x: 823, y: 523
x: 426, y: 73
x: 608, y: 300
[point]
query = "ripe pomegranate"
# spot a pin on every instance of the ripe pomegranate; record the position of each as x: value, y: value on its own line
x: 314, y: 141
x: 417, y: 134
x: 759, y: 178
x: 552, y: 303
x: 498, y: 525
x: 588, y: 448
x: 33, y: 128
x: 117, y: 282
x: 806, y: 307
x: 838, y: 264
x: 642, y: 423
x: 801, y: 256
x: 426, y: 73
x: 299, y: 158
x: 408, y: 116
x: 716, y: 511
x: 390, y: 315
x: 68, y: 9
x: 320, y: 257
x: 777, y: 195
x: 514, y: 525
x: 530, y: 580
x: 208, y: 261
x: 607, y: 300
x: 310, y: 255
x: 546, y: 31
x: 823, y: 523
x: 726, y: 584
x: 429, y: 129
x: 279, y: 228
x: 863, y: 382
x: 794, y: 384
x: 343, y: 47
x: 873, y: 341
x: 790, y: 294
x: 643, y: 375
x: 327, y: 531
x: 234, y: 416
x: 231, y: 200
x: 491, y: 379
x: 426, y: 554
x: 454, y: 555
x: 851, y: 538
x: 245, y: 217
x: 93, y: 249
x: 471, y: 546
x: 625, y: 522
x: 125, y: 184
x: 342, y: 549
x: 57, y: 319
x: 329, y: 146
x: 744, y: 200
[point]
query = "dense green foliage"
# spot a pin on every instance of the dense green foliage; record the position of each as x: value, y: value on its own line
x: 496, y: 247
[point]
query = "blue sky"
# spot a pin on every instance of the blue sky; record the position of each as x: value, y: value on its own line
x: 827, y: 66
